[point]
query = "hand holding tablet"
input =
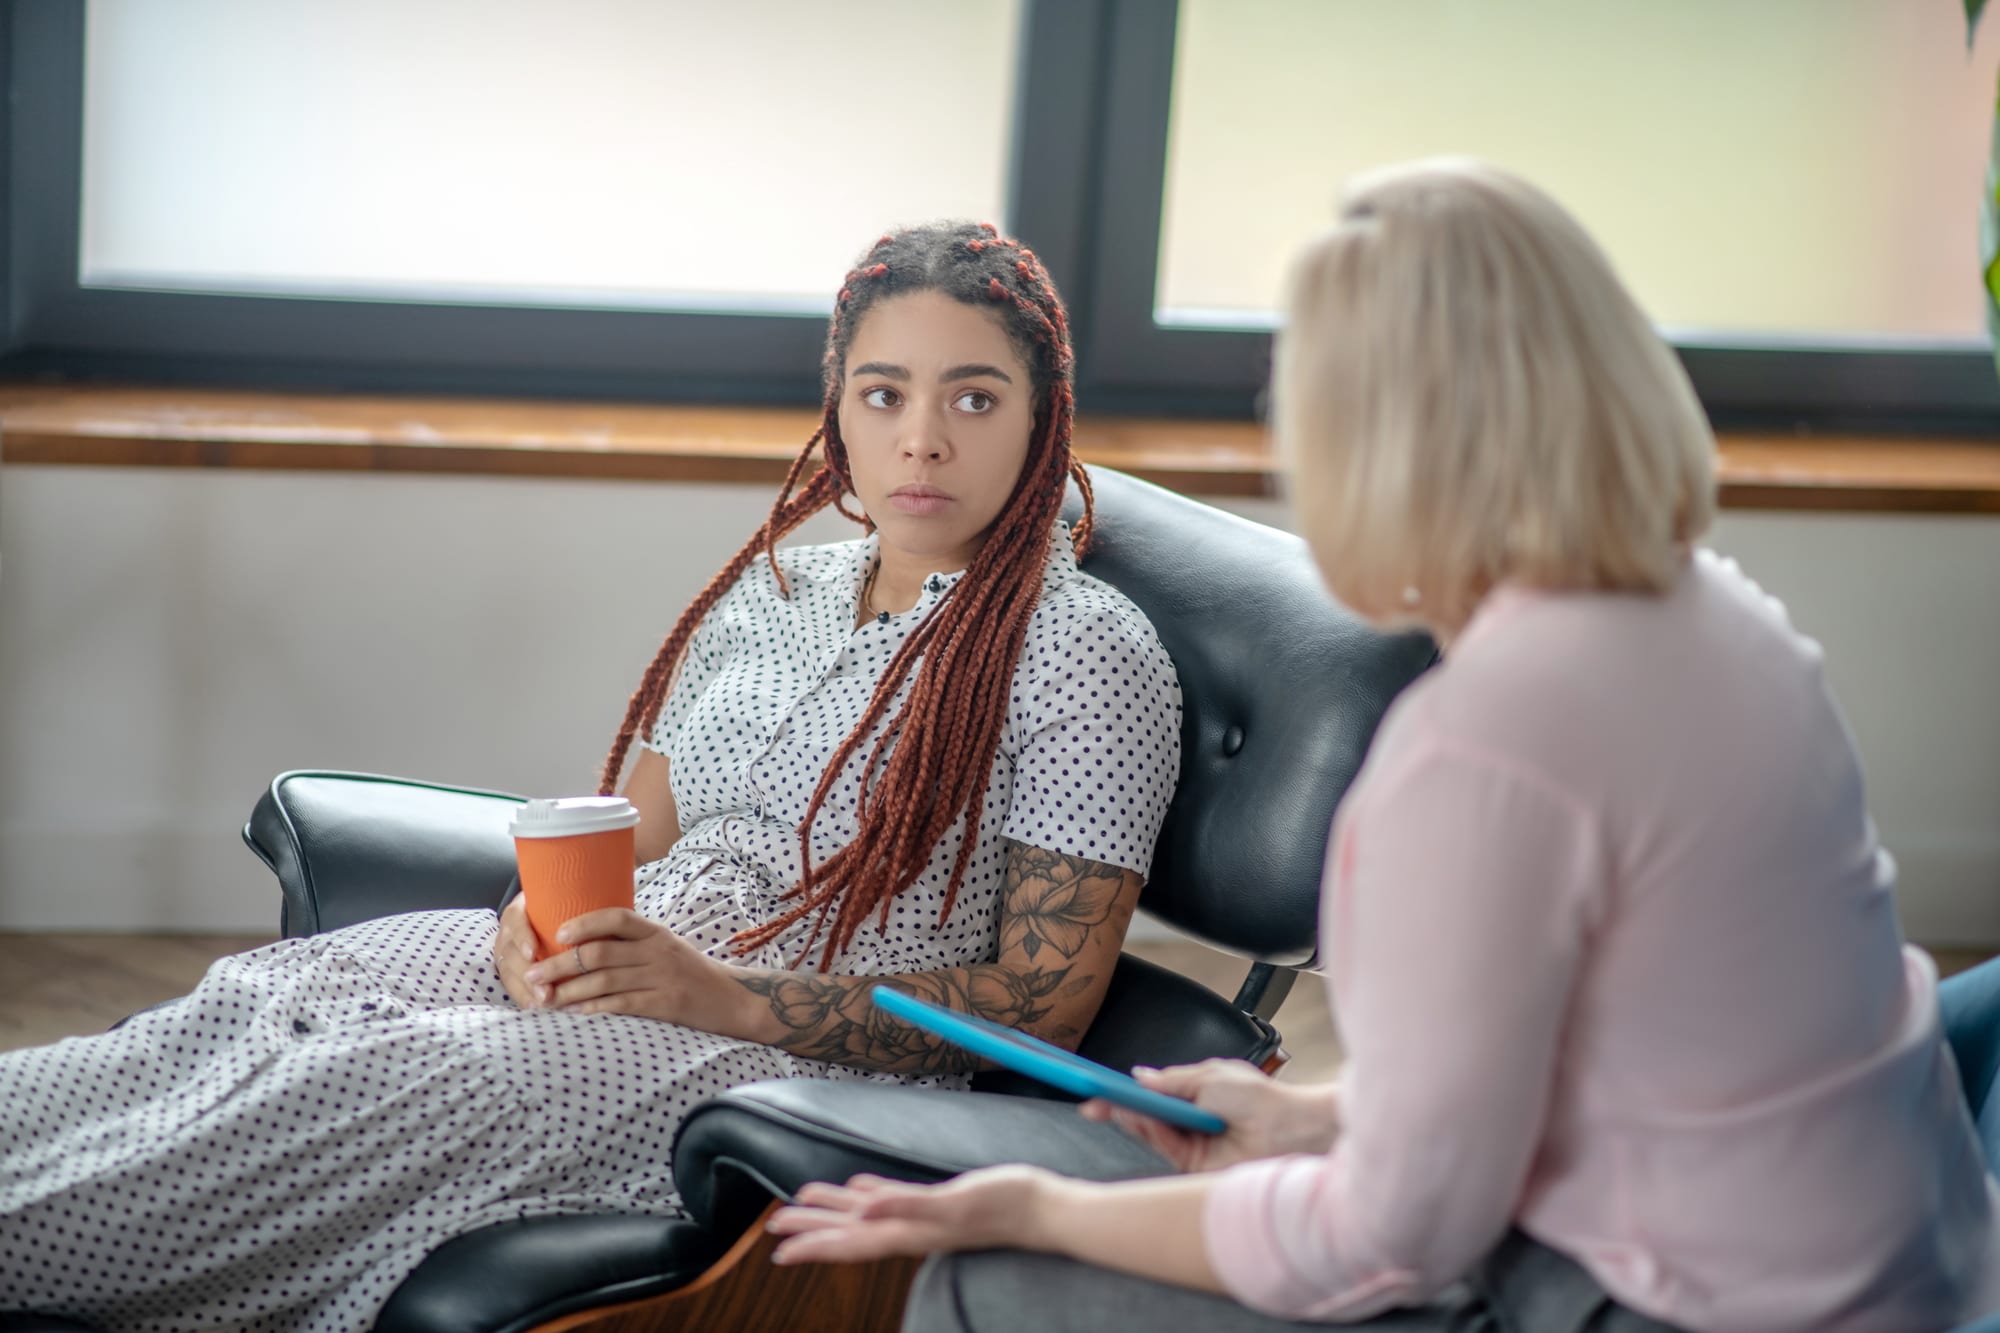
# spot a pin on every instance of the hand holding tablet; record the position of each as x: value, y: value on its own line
x: 1038, y: 1059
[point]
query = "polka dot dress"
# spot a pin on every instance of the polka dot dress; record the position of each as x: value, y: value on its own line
x: 280, y: 1148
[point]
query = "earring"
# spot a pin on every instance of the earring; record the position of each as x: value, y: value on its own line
x: 1412, y: 596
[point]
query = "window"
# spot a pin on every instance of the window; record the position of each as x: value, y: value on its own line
x: 655, y: 198
x: 645, y: 198
x: 1804, y: 168
x: 597, y: 153
x: 1791, y: 187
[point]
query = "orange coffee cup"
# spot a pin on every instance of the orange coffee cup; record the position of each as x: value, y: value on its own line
x: 575, y: 855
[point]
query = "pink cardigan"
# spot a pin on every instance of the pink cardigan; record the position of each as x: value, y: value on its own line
x: 1615, y: 959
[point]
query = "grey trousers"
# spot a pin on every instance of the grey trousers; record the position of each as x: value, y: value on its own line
x: 1521, y: 1287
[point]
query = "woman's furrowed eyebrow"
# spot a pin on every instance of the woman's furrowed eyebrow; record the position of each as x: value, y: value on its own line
x: 973, y: 370
x: 970, y: 370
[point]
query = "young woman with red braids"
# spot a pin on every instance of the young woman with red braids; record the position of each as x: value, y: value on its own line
x: 936, y: 756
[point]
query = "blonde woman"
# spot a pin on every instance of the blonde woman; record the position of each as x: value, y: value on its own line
x: 1633, y: 1040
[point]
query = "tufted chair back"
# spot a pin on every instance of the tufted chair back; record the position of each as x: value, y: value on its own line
x: 1282, y: 690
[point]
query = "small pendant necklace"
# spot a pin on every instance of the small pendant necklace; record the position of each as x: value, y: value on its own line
x: 868, y: 596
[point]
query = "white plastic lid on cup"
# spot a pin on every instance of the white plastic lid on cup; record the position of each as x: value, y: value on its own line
x: 567, y: 816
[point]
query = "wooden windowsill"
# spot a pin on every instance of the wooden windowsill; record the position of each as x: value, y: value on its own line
x: 141, y: 427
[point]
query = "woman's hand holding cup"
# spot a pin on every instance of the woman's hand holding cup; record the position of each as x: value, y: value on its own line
x: 1266, y: 1118
x: 614, y: 961
x: 620, y: 962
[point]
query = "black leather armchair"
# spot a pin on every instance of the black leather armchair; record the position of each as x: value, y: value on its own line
x: 1282, y: 694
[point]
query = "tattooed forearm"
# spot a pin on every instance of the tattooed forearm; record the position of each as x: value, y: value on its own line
x: 1062, y: 920
x: 831, y: 1018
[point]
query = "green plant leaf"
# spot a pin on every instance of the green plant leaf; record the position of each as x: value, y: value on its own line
x: 1989, y: 205
x: 1989, y: 236
x: 1991, y: 225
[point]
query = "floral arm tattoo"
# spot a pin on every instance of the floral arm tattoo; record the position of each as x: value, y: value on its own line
x: 1062, y: 921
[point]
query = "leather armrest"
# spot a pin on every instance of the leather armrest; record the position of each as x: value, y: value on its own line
x: 1152, y: 1015
x: 350, y: 847
x: 734, y: 1152
x: 517, y: 1276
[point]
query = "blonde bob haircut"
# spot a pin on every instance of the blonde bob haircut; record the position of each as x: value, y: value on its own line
x: 1466, y: 395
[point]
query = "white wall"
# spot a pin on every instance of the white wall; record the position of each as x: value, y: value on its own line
x: 171, y: 639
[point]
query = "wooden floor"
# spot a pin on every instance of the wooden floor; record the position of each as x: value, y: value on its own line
x: 69, y: 985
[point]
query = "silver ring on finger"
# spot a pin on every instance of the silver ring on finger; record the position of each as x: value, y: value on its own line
x: 581, y: 970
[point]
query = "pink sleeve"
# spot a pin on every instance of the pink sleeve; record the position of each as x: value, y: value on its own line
x: 1457, y: 899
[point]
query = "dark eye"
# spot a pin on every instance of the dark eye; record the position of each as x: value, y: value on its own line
x: 879, y: 396
x: 974, y: 401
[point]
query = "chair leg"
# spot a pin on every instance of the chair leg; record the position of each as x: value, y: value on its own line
x: 744, y: 1292
x: 1264, y: 989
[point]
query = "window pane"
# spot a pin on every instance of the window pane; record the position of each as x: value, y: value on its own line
x: 661, y: 153
x: 1783, y: 166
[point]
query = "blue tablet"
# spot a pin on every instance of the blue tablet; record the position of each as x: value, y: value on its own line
x: 1038, y: 1059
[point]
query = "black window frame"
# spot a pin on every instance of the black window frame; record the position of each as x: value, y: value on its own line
x: 1777, y: 382
x: 1085, y: 187
x: 56, y: 328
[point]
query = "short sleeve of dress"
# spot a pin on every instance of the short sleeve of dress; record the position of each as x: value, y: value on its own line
x: 1097, y: 715
x: 698, y: 666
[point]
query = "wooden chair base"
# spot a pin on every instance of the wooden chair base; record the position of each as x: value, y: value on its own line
x: 744, y: 1292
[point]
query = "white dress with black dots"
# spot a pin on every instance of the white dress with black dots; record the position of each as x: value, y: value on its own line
x: 279, y: 1149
